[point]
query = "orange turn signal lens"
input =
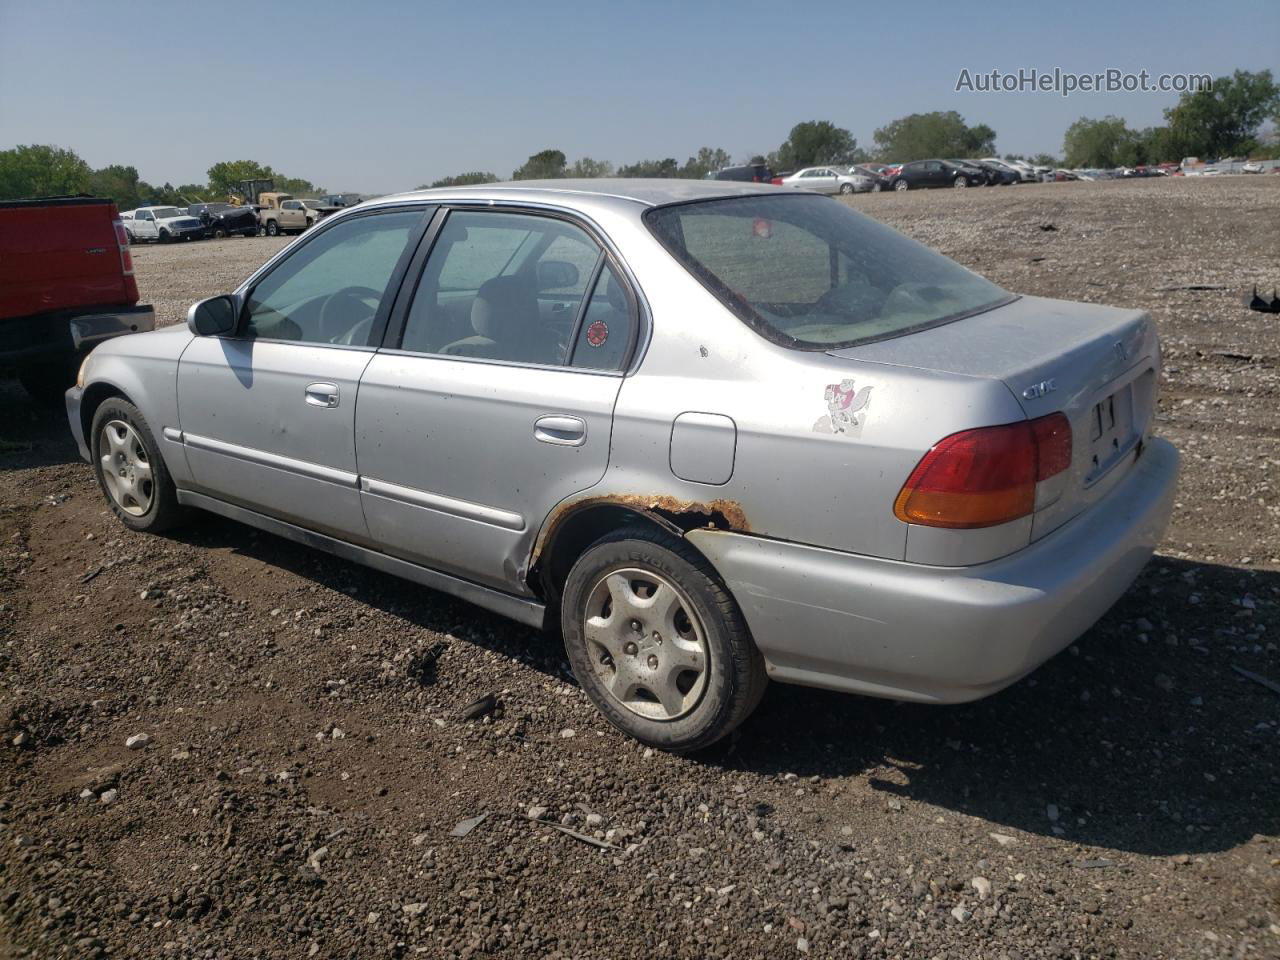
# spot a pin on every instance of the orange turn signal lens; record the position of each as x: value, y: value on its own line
x: 987, y: 476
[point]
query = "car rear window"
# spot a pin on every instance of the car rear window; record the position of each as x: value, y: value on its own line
x: 810, y: 273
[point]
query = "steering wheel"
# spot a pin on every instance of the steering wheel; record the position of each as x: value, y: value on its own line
x: 334, y: 318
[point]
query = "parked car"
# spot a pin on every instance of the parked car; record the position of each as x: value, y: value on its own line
x: 66, y: 285
x: 986, y: 176
x: 714, y: 433
x: 280, y: 213
x: 1253, y: 166
x: 749, y: 172
x: 875, y: 173
x: 341, y: 199
x: 996, y: 174
x: 828, y: 180
x: 920, y: 174
x: 234, y: 219
x: 161, y: 224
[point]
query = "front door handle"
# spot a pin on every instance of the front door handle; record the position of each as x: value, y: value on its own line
x: 322, y: 394
x: 562, y: 430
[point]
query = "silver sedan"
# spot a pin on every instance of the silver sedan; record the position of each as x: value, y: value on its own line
x: 712, y: 433
x: 828, y: 180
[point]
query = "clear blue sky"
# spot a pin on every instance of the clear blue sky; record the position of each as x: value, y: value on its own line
x: 378, y: 96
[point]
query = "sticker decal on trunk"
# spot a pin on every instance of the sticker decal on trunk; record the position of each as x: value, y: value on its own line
x: 844, y: 405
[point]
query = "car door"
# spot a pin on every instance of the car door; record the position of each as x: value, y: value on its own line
x: 267, y: 415
x: 145, y: 226
x: 292, y: 216
x: 488, y: 406
x: 827, y: 181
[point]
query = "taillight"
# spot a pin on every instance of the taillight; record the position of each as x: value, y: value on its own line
x: 987, y: 476
x: 776, y: 181
x: 122, y: 241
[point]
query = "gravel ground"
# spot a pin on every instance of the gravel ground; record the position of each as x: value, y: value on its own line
x: 221, y: 744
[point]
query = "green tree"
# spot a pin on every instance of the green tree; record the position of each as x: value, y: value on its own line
x: 938, y: 134
x: 297, y: 186
x: 118, y: 183
x: 1045, y: 160
x: 41, y: 171
x: 708, y: 160
x: 1223, y: 120
x: 668, y: 167
x: 587, y: 168
x: 816, y: 142
x: 1098, y: 143
x: 461, y: 180
x: 224, y: 176
x: 544, y: 165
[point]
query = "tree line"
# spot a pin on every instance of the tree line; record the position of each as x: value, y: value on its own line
x: 1224, y: 120
x: 39, y: 170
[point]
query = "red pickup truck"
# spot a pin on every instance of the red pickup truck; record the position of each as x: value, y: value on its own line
x: 66, y: 283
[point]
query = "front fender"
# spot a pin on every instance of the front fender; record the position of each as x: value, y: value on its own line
x: 142, y: 368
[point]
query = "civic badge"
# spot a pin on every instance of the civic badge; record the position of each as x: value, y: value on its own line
x: 1038, y: 390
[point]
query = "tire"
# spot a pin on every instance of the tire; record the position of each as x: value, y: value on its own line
x: 251, y: 233
x: 960, y: 182
x: 144, y: 501
x: 901, y: 185
x: 846, y: 188
x: 704, y: 625
x: 129, y: 238
x: 876, y: 188
x: 273, y: 229
x: 219, y: 233
x: 164, y: 237
x: 46, y: 382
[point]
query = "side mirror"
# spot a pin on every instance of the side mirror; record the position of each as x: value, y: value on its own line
x: 213, y: 317
x: 555, y: 274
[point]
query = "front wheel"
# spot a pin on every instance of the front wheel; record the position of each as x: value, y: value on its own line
x: 219, y: 233
x: 657, y: 642
x: 960, y: 182
x: 902, y: 185
x: 164, y: 236
x: 130, y: 470
x: 846, y: 188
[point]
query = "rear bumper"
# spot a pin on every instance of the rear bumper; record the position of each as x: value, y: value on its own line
x: 47, y: 336
x: 943, y: 634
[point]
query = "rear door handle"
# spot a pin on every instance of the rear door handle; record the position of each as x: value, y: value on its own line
x: 562, y: 430
x: 322, y: 394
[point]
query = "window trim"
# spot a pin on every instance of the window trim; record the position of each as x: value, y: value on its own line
x: 376, y: 331
x: 393, y: 335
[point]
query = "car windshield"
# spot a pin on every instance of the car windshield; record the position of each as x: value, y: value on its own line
x: 164, y: 213
x: 810, y: 273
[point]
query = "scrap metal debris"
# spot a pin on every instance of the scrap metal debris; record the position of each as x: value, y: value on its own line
x: 569, y: 831
x: 478, y: 708
x: 1262, y: 304
x: 466, y: 826
x: 422, y: 667
x: 1257, y: 678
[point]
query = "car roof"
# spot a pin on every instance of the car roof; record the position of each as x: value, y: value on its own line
x: 591, y: 192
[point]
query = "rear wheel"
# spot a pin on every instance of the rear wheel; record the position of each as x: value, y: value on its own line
x: 901, y: 185
x: 273, y: 228
x: 657, y: 642
x: 130, y: 470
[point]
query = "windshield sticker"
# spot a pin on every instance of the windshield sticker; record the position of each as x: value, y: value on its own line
x: 844, y: 405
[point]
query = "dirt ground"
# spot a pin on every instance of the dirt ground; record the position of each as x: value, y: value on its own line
x: 307, y: 762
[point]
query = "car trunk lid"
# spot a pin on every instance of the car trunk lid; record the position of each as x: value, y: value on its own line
x: 1097, y: 365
